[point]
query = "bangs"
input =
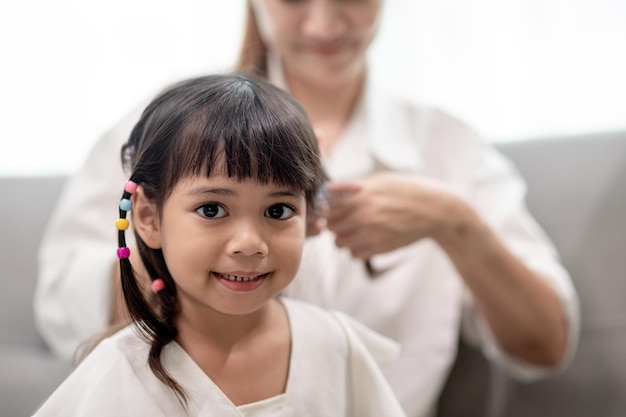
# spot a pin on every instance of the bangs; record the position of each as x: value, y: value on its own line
x: 245, y: 135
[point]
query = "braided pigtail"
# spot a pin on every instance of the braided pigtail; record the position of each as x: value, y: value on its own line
x: 156, y: 323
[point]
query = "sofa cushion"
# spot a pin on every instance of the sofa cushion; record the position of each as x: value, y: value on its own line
x: 29, y: 376
x: 577, y: 192
x: 29, y: 370
x: 26, y: 205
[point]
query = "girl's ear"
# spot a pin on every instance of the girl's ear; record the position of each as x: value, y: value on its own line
x: 146, y: 219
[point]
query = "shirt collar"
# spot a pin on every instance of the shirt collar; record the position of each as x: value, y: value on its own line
x: 391, y: 128
x: 378, y: 136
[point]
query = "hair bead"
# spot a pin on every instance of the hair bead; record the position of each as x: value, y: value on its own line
x: 123, y: 252
x: 130, y: 186
x: 157, y: 285
x: 122, y: 224
x: 125, y: 204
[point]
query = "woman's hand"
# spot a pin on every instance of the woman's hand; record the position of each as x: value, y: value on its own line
x: 387, y: 210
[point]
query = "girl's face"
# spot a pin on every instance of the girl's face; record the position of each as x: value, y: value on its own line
x: 230, y: 246
x: 320, y: 41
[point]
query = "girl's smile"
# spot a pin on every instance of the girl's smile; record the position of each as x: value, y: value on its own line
x: 241, y: 281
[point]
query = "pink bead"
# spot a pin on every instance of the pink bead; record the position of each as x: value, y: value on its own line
x: 130, y: 186
x: 157, y: 285
x: 123, y: 252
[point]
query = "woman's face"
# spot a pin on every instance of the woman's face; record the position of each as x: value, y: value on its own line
x: 320, y: 41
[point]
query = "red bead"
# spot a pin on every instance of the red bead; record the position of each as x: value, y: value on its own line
x: 157, y: 285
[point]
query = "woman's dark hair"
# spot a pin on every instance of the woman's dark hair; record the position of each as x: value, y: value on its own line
x: 254, y: 129
x: 253, y: 53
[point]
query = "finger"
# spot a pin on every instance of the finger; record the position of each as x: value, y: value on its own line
x: 338, y: 191
x: 364, y: 249
x: 340, y: 209
x: 315, y: 227
x: 361, y: 245
x: 359, y: 249
x: 348, y: 238
x: 362, y: 252
x: 341, y: 228
x: 338, y: 217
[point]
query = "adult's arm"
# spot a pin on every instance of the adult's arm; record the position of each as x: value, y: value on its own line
x: 537, y: 292
x: 523, y: 305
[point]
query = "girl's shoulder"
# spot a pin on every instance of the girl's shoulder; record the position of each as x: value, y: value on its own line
x: 323, y: 329
x: 338, y: 364
x: 106, y: 377
x: 314, y: 322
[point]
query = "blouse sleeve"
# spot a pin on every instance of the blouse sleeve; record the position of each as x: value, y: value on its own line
x: 498, y: 193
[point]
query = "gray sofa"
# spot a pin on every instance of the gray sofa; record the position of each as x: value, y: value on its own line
x: 28, y: 371
x: 577, y: 192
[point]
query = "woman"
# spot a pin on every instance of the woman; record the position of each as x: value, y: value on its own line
x: 426, y: 230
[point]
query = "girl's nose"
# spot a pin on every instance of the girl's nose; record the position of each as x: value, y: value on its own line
x: 247, y: 239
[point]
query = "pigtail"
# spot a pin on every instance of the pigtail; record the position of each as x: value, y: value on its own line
x: 155, y: 322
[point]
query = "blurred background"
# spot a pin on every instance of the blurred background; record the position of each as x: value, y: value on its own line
x: 514, y: 69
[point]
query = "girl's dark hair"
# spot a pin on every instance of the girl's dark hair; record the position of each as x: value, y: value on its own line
x: 253, y: 53
x: 255, y: 129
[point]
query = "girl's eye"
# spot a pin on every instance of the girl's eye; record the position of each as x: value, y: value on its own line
x: 213, y: 211
x: 280, y: 212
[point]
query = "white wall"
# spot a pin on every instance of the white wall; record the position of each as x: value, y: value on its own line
x: 515, y: 68
x: 512, y: 68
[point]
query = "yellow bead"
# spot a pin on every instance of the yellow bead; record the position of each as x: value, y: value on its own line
x: 122, y: 224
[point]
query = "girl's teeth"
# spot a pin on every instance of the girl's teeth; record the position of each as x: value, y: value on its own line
x: 238, y: 278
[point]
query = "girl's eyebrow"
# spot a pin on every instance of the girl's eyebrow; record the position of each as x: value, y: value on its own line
x: 205, y: 190
x: 227, y: 191
x: 286, y: 193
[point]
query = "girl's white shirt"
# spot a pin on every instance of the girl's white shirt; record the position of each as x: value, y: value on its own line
x: 334, y: 370
x: 419, y: 301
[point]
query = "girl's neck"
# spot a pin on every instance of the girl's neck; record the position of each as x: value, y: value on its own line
x: 329, y: 107
x: 247, y: 357
x: 222, y: 331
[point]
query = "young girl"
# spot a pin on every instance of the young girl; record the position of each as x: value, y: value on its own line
x: 224, y: 169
